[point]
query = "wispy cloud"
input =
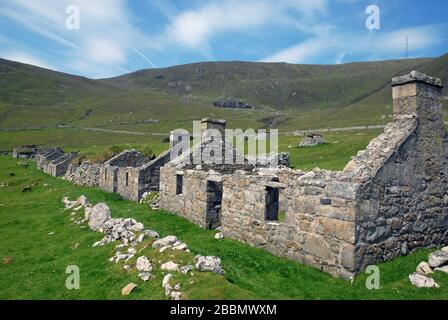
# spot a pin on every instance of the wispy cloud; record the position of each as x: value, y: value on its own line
x: 105, y: 41
x: 376, y: 45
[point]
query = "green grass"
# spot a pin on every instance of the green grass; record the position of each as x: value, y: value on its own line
x: 39, y: 260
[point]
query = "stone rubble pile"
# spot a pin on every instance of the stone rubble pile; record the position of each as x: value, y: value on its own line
x: 131, y: 233
x: 171, y: 291
x: 312, y: 140
x: 86, y: 174
x: 437, y: 261
x: 209, y: 263
x: 152, y: 199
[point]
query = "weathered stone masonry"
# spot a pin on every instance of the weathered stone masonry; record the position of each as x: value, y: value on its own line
x: 389, y: 200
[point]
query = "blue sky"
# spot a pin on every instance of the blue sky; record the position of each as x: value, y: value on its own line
x: 119, y: 36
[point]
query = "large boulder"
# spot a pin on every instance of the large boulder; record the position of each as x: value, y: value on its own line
x: 167, y: 241
x: 99, y: 214
x: 438, y: 258
x: 424, y: 268
x: 421, y: 281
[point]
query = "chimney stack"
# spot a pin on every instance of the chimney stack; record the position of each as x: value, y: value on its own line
x: 417, y: 95
x: 209, y: 127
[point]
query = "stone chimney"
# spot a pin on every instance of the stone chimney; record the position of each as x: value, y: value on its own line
x: 177, y: 136
x: 208, y: 127
x: 417, y: 95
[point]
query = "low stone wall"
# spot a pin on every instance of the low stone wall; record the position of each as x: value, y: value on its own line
x: 191, y: 203
x: 319, y: 222
x: 86, y: 174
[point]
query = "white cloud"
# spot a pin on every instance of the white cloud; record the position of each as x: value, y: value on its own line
x: 104, y: 51
x: 194, y: 28
x: 300, y: 52
x: 106, y: 36
x: 26, y: 58
x: 379, y: 45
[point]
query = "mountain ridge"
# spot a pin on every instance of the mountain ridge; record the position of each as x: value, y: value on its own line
x: 283, y: 94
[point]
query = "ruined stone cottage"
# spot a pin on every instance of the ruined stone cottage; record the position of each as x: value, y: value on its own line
x: 195, y: 190
x: 130, y: 174
x: 390, y: 199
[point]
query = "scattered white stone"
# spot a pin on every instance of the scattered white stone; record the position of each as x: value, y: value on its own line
x: 445, y: 249
x: 166, y: 279
x: 175, y: 295
x: 219, y: 235
x: 170, y: 266
x: 127, y: 267
x: 166, y: 284
x: 186, y: 269
x: 83, y: 201
x: 167, y: 241
x: 145, y: 276
x: 442, y: 269
x: 151, y: 234
x: 424, y: 268
x: 209, y: 263
x: 164, y: 248
x: 143, y: 264
x: 438, y: 258
x: 128, y: 289
x: 177, y: 287
x: 140, y: 238
x: 51, y: 233
x: 421, y: 281
x: 182, y: 246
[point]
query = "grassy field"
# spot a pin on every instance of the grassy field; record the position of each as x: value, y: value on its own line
x: 33, y: 259
x: 333, y: 156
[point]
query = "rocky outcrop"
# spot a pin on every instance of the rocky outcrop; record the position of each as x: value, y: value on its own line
x: 312, y: 140
x: 233, y: 104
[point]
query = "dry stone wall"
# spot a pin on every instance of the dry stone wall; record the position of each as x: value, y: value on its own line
x: 86, y: 174
x: 319, y: 218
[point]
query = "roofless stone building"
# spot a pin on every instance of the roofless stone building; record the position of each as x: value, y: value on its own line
x: 390, y: 199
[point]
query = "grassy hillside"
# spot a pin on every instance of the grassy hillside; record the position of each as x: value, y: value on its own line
x: 286, y: 96
x: 276, y: 85
x: 37, y: 243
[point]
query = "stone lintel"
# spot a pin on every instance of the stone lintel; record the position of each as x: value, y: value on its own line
x: 416, y: 76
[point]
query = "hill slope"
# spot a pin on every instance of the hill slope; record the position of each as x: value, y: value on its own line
x: 276, y: 85
x: 286, y: 96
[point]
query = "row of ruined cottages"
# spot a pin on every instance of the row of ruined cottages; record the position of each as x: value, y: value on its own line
x: 128, y: 173
x: 389, y: 200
